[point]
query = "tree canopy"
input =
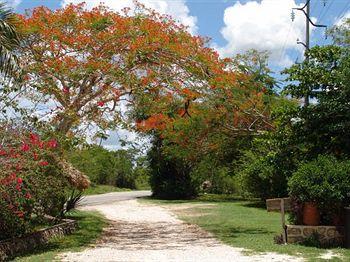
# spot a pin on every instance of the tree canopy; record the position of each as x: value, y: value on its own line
x: 92, y: 66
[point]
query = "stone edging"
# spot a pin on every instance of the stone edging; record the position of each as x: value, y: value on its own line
x: 12, y: 247
x: 327, y: 234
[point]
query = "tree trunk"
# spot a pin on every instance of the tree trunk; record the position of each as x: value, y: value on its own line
x: 65, y: 125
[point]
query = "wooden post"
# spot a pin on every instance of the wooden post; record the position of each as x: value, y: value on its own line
x: 283, y: 218
x: 282, y: 205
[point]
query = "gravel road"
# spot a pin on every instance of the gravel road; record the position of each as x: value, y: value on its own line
x: 113, y: 197
x: 150, y: 233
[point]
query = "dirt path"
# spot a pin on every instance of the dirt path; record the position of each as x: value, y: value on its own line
x: 140, y: 232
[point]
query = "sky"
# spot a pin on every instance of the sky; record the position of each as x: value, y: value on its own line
x: 235, y: 26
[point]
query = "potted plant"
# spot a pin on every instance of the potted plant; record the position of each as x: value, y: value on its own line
x: 311, y: 214
x: 322, y: 186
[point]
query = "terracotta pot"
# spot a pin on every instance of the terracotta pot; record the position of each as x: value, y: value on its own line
x: 311, y: 215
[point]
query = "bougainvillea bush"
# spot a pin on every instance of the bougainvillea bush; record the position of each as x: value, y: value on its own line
x: 31, y: 182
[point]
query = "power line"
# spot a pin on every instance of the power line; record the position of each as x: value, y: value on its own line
x: 291, y: 27
x: 327, y: 9
x: 344, y: 11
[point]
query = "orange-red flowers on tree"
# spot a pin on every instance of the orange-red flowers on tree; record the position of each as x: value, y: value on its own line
x: 146, y: 60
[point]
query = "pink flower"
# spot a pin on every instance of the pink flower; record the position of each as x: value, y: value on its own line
x: 43, y: 163
x: 20, y: 214
x: 28, y: 195
x: 34, y: 138
x: 35, y: 156
x: 25, y: 147
x: 52, y: 143
x: 19, y: 180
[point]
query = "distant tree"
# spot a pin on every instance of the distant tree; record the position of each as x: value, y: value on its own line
x: 116, y: 168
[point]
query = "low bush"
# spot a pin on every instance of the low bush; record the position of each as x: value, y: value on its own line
x: 31, y: 182
x: 325, y: 181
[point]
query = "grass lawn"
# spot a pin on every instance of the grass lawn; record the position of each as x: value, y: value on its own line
x: 246, y: 224
x: 102, y: 189
x: 90, y: 225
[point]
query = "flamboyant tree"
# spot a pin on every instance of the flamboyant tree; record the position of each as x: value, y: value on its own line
x: 90, y: 66
x: 221, y: 115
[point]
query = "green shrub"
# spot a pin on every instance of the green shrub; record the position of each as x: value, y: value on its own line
x: 261, y: 176
x: 326, y: 181
x: 170, y: 178
x: 95, y: 162
x: 142, y: 179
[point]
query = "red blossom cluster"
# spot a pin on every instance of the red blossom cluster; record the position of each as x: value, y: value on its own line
x: 17, y: 161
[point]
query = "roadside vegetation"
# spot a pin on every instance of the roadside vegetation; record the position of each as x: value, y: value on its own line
x: 90, y: 225
x: 111, y: 171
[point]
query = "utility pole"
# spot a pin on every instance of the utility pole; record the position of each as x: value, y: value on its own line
x: 307, y: 14
x: 307, y: 42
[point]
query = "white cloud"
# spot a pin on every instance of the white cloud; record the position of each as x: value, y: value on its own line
x: 13, y: 3
x: 263, y: 25
x: 341, y: 20
x: 177, y: 9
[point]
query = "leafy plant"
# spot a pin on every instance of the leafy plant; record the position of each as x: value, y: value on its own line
x: 72, y: 201
x: 9, y: 40
x: 325, y: 181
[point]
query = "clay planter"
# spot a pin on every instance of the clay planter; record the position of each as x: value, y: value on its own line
x: 311, y: 215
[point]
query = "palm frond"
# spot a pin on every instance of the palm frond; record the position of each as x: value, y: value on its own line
x: 9, y: 40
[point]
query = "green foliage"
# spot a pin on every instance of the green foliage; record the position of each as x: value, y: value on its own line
x: 264, y: 176
x: 324, y: 180
x: 96, y: 162
x: 341, y: 33
x: 214, y: 177
x: 9, y: 40
x: 123, y: 169
x: 322, y: 127
x: 170, y: 177
x: 264, y: 168
x: 116, y: 168
x: 142, y: 173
